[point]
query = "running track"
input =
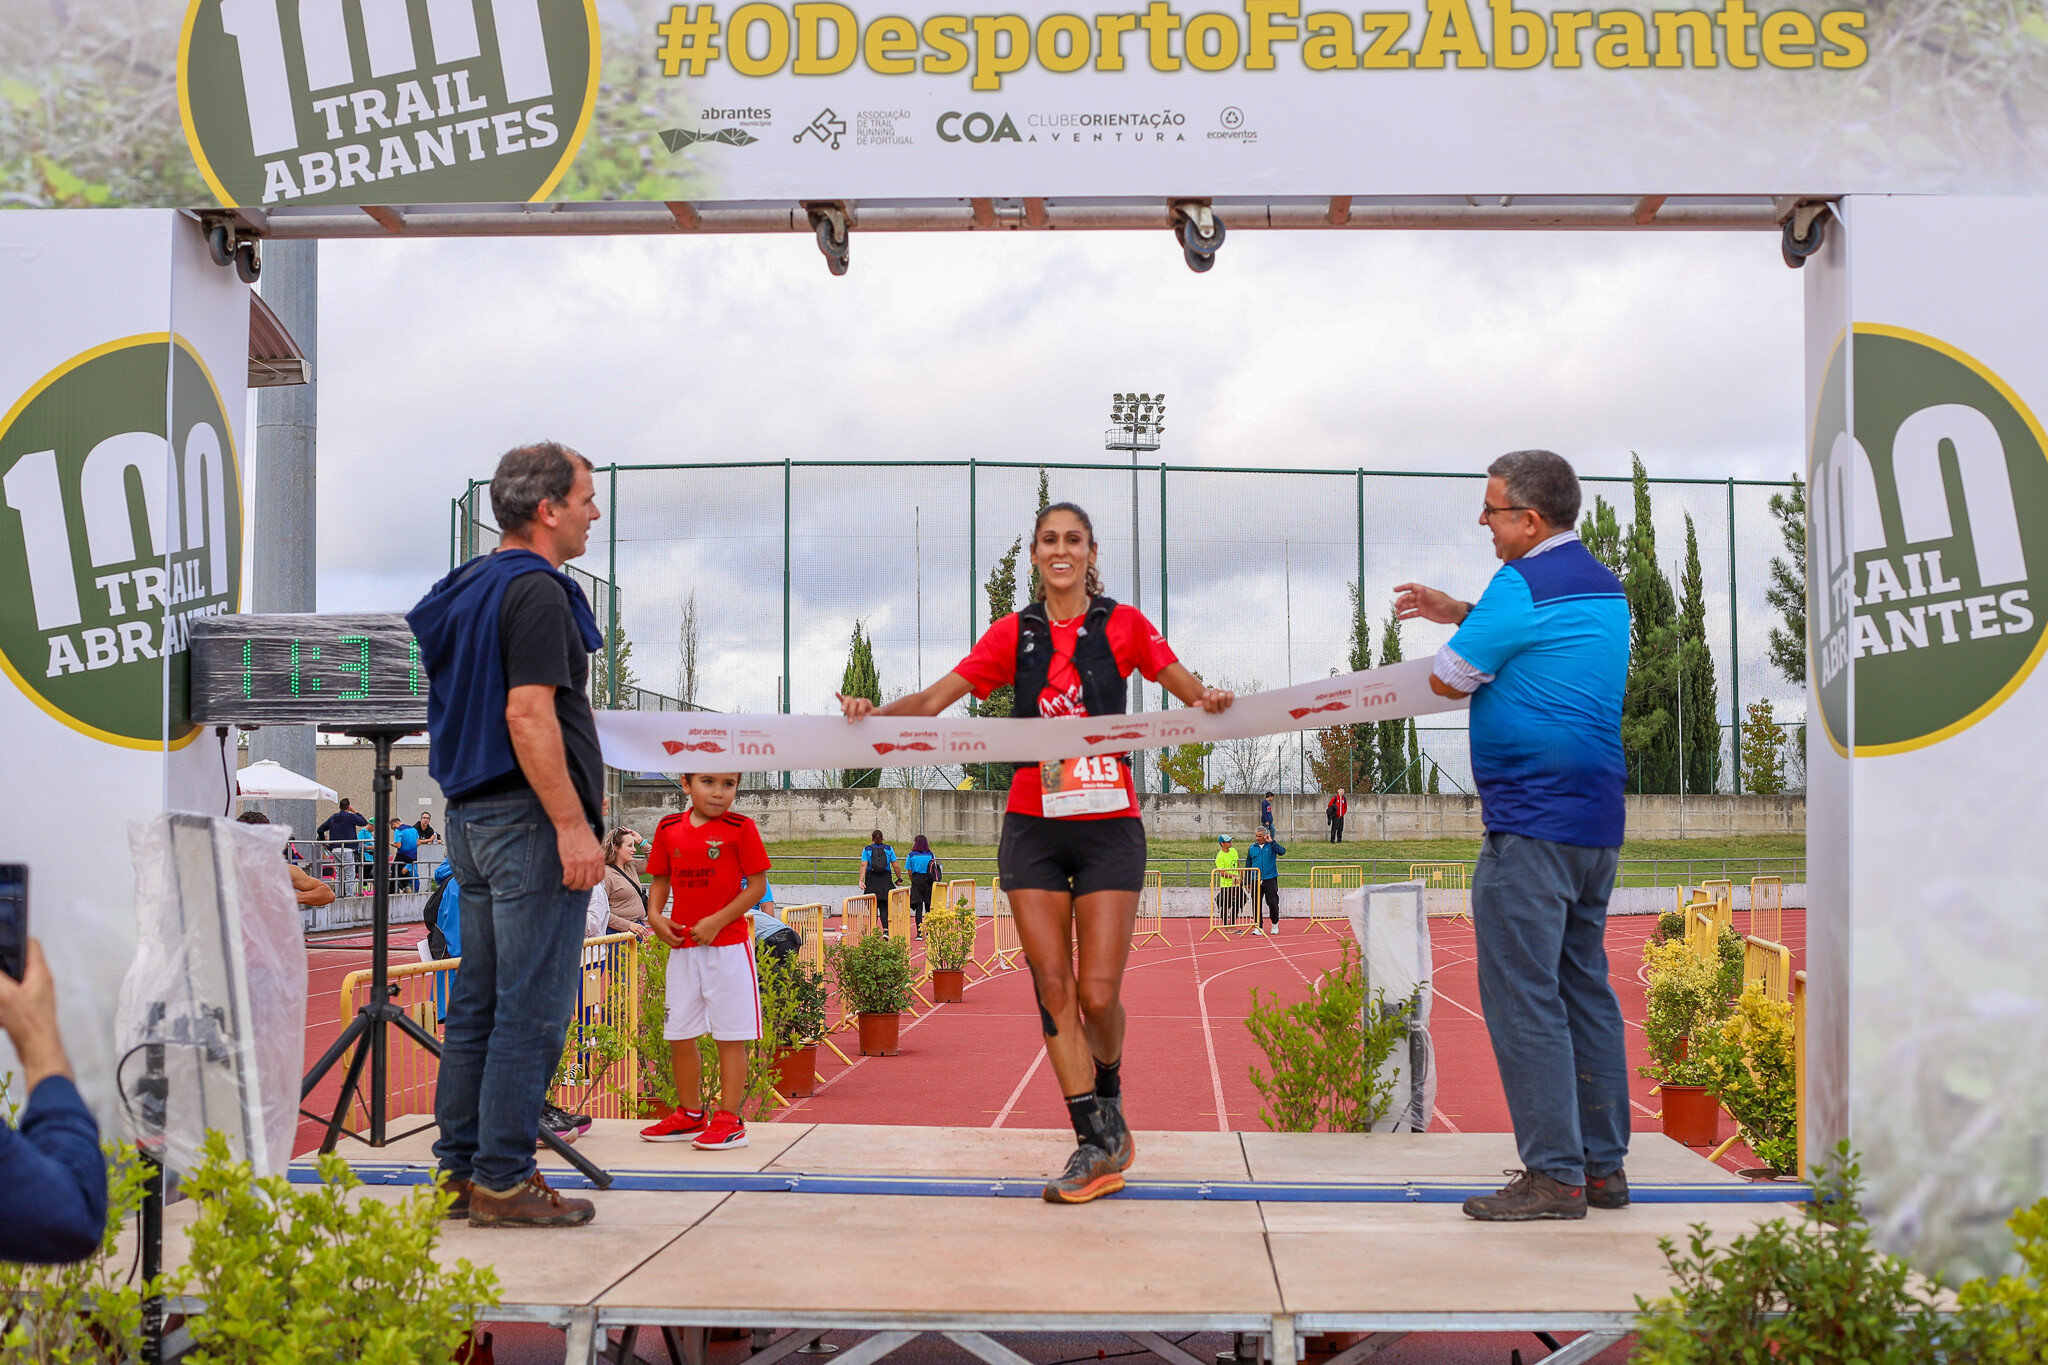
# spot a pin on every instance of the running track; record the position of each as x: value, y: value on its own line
x: 1187, y: 1051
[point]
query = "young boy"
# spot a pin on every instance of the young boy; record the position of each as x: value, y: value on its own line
x: 703, y: 856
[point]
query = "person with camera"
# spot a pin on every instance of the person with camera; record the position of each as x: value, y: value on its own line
x: 51, y: 1166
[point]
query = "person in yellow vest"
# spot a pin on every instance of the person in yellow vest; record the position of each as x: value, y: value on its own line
x: 1229, y: 892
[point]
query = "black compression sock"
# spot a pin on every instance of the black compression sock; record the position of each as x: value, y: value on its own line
x: 1086, y: 1115
x: 1109, y: 1079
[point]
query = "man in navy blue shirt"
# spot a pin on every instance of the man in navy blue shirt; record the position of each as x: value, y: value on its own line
x: 52, y: 1170
x: 507, y: 640
x: 1544, y: 656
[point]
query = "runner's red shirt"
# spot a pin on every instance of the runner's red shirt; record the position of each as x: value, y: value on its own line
x: 1132, y: 639
x: 704, y: 865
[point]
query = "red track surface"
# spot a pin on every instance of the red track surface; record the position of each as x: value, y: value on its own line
x: 1188, y: 1054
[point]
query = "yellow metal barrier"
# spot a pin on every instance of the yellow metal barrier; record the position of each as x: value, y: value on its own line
x: 1151, y: 921
x: 857, y: 916
x: 1454, y: 877
x: 1004, y: 949
x: 1799, y: 1065
x: 1327, y: 887
x: 809, y: 922
x: 1233, y: 901
x: 607, y: 998
x: 1704, y: 920
x: 901, y: 921
x: 1767, y: 908
x: 1770, y: 963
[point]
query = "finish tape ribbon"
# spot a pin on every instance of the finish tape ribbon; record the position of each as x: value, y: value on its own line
x: 702, y: 741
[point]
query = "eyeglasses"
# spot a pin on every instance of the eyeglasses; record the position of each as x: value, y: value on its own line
x: 1487, y: 509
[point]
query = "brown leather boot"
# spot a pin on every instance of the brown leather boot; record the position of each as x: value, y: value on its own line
x: 531, y: 1205
x: 460, y: 1189
x: 1529, y: 1195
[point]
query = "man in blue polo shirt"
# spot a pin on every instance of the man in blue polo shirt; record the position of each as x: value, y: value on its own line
x: 1544, y: 656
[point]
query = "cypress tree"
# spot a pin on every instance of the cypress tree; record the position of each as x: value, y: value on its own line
x: 1649, y: 724
x: 1359, y: 739
x: 861, y: 680
x: 1787, y: 593
x: 1001, y: 591
x: 1600, y: 533
x: 1393, y: 739
x: 1703, y: 757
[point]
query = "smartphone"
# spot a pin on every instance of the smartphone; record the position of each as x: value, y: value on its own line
x: 14, y: 919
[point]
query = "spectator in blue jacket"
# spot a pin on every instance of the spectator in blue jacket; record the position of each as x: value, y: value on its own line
x: 51, y: 1167
x: 1264, y: 855
x: 405, y: 857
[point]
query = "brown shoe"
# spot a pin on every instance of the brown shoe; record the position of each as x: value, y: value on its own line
x: 1608, y: 1191
x: 531, y: 1205
x: 1528, y: 1195
x: 460, y: 1189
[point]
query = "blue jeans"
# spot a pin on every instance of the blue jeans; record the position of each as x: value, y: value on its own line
x: 508, y: 1011
x: 1540, y: 913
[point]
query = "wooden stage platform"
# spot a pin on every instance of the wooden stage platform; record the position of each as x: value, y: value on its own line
x: 899, y: 1231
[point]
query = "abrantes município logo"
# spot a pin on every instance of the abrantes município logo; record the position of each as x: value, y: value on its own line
x: 1927, y: 538
x: 386, y: 101
x: 120, y: 538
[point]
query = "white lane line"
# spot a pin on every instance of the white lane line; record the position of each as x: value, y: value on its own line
x: 1018, y: 1093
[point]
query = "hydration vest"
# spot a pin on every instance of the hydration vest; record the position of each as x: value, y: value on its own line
x: 1102, y: 686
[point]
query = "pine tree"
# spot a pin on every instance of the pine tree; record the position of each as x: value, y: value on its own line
x: 1702, y: 705
x: 1649, y: 724
x: 1001, y: 592
x: 1600, y: 533
x: 1392, y: 737
x: 1787, y: 592
x: 861, y: 680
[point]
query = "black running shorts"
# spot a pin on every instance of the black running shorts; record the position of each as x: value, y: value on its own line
x: 1080, y: 856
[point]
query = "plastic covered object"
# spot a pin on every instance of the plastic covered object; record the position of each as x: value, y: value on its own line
x: 1393, y: 937
x: 210, y: 1032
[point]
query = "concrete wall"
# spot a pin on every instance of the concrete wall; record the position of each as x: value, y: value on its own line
x: 974, y: 816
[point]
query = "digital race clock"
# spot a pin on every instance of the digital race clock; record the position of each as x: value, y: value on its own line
x: 331, y: 670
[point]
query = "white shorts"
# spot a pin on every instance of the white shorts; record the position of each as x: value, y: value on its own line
x: 713, y: 990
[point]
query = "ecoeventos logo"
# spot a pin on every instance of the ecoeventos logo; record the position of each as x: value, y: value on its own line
x: 386, y: 101
x: 1927, y: 539
x: 120, y: 537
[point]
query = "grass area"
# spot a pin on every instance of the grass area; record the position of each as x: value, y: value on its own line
x: 832, y: 861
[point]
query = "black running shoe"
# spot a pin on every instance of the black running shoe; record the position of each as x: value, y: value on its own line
x: 1528, y: 1195
x: 1123, y: 1146
x: 1091, y: 1173
x: 1608, y: 1191
x: 563, y: 1124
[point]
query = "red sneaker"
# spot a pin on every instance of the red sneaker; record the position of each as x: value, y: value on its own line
x: 725, y: 1130
x: 680, y: 1126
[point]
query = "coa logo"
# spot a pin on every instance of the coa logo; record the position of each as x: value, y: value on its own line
x: 386, y: 101
x: 1926, y: 532
x: 120, y: 540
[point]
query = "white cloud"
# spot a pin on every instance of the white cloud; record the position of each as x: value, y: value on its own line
x: 1339, y: 349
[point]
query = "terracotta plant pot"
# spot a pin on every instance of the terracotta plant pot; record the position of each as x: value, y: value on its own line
x: 1691, y: 1115
x: 797, y: 1070
x: 878, y: 1034
x: 949, y: 985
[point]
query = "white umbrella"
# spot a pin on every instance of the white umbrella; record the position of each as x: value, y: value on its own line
x: 266, y: 778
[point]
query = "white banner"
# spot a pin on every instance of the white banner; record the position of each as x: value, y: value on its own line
x: 692, y: 741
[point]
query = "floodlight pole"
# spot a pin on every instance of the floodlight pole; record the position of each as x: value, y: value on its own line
x: 1138, y: 429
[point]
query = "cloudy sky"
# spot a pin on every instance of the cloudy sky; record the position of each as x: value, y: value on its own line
x: 1340, y: 350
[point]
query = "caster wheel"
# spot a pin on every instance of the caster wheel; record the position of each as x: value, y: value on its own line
x: 1795, y: 250
x: 248, y: 262
x: 1199, y: 261
x: 219, y: 246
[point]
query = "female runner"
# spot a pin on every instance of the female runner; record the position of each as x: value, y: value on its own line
x: 1068, y: 654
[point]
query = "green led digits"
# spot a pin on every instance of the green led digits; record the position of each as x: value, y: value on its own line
x: 361, y: 668
x: 248, y: 667
x: 412, y: 665
x: 295, y: 668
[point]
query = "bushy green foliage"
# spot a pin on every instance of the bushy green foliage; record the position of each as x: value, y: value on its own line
x: 82, y: 1314
x: 1813, y: 1293
x: 2006, y: 1319
x: 861, y: 679
x: 1684, y: 997
x: 1327, y: 1052
x: 657, y: 1067
x: 873, y: 972
x: 949, y: 935
x: 1763, y: 750
x: 308, y: 1274
x: 1747, y: 1060
x: 792, y: 1000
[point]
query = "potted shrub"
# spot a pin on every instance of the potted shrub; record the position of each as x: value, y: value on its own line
x: 793, y: 1015
x: 873, y: 972
x: 948, y: 941
x: 1747, y: 1061
x: 1685, y: 999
